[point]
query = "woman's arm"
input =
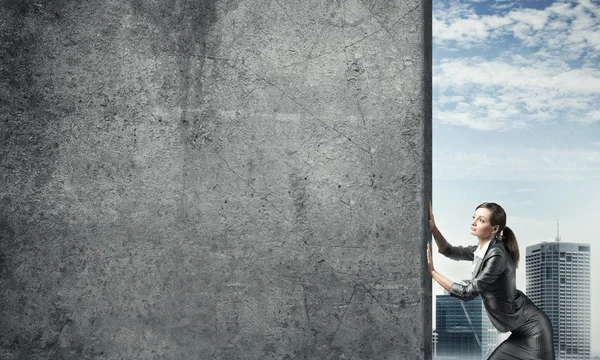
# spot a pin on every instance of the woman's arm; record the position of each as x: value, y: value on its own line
x: 442, y: 280
x: 439, y: 278
x: 440, y: 240
x: 494, y: 265
x: 453, y: 252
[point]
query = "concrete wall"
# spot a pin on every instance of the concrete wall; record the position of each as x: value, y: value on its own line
x: 214, y: 179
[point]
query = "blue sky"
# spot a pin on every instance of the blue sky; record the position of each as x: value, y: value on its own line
x: 516, y: 114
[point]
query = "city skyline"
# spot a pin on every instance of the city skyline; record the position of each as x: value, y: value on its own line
x: 515, y: 121
x: 463, y: 328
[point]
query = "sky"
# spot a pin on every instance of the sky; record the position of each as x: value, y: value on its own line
x: 516, y: 121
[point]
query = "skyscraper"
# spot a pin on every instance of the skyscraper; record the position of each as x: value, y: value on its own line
x: 558, y: 281
x: 463, y: 329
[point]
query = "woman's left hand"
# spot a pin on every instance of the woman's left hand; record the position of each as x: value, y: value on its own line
x: 430, y: 268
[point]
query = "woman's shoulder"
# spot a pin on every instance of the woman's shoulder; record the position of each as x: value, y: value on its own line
x: 497, y: 248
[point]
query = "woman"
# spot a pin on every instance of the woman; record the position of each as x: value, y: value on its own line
x: 494, y: 260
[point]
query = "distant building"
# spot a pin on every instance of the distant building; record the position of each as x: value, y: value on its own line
x: 463, y: 329
x: 558, y: 281
x: 434, y: 343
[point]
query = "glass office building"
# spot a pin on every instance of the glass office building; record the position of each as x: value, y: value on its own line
x: 463, y: 329
x: 558, y: 281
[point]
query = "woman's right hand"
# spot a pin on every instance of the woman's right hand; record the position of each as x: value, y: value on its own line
x: 430, y: 268
x: 431, y: 218
x: 440, y: 241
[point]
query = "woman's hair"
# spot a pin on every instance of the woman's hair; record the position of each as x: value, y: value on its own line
x: 508, y: 236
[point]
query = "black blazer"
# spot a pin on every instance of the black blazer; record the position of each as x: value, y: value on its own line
x: 494, y: 279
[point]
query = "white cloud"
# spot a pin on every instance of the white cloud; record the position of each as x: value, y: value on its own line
x: 592, y: 116
x: 527, y: 164
x: 562, y: 28
x: 499, y: 6
x: 536, y: 19
x: 513, y: 92
x: 467, y: 30
x: 470, y: 119
x: 443, y: 100
x: 483, y: 101
x: 534, y: 74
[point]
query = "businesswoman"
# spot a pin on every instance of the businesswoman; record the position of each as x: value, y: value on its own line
x: 494, y: 260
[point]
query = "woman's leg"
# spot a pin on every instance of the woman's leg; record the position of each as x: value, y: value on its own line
x: 532, y: 340
x: 509, y: 349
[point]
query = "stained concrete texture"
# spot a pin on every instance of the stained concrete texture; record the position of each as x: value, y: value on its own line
x: 214, y: 179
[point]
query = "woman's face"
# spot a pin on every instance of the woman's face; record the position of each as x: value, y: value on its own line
x: 481, y: 226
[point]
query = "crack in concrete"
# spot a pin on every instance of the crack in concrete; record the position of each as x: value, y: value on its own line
x: 337, y: 246
x: 403, y: 16
x: 393, y: 116
x: 401, y: 304
x: 291, y: 20
x: 309, y: 58
x: 391, y: 26
x: 312, y: 47
x: 363, y: 38
x: 342, y: 319
x: 375, y: 298
x: 302, y: 351
x: 344, y: 30
x: 372, y: 174
x: 337, y: 271
x: 55, y: 341
x: 403, y: 183
x: 253, y: 316
x: 321, y: 122
x: 210, y: 57
x: 234, y: 172
x: 305, y: 301
x: 382, y: 26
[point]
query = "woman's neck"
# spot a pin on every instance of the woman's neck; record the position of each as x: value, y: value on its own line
x: 483, y: 241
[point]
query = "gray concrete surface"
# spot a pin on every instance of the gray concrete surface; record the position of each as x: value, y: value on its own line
x: 214, y: 179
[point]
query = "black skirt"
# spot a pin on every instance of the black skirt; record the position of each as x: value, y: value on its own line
x: 532, y: 340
